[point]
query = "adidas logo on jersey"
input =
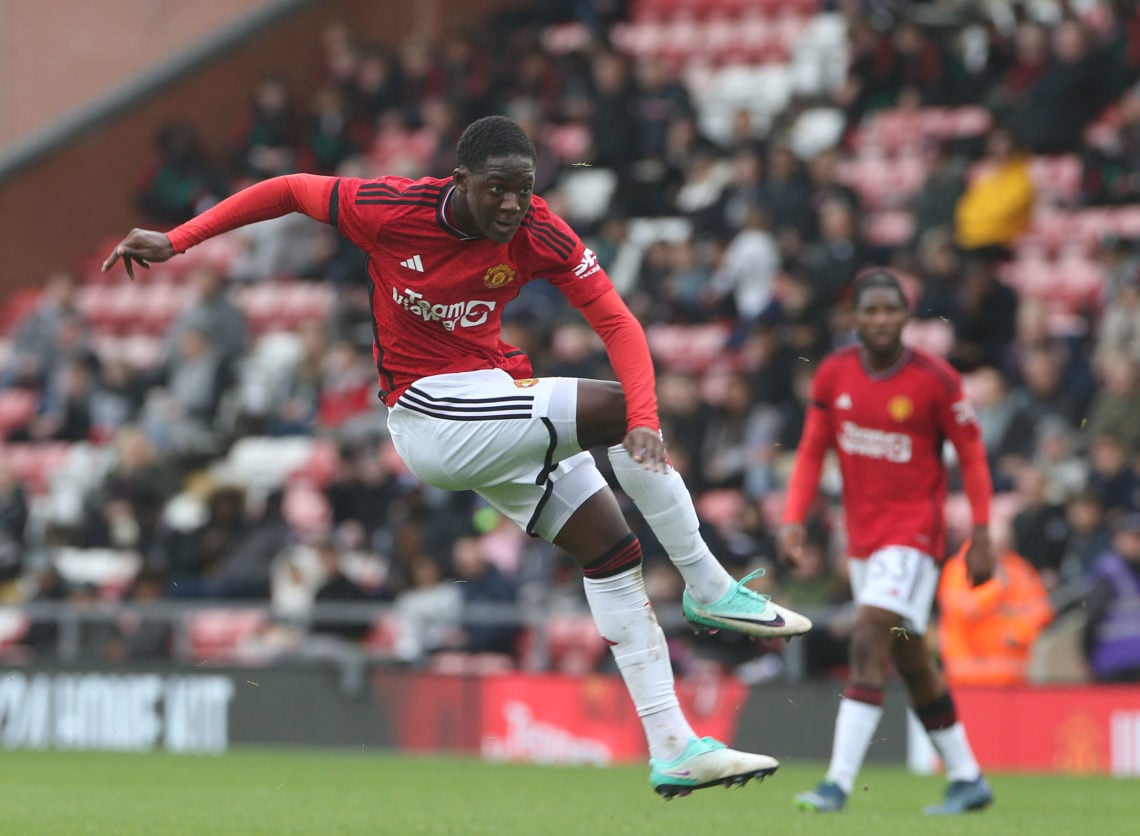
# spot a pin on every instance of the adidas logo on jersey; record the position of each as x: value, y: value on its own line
x: 843, y: 401
x: 413, y: 263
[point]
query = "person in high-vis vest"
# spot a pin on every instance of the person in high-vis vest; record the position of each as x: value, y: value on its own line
x: 986, y: 632
x: 1112, y: 634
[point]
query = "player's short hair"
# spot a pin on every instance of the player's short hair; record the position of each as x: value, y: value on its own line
x: 492, y: 136
x: 876, y: 277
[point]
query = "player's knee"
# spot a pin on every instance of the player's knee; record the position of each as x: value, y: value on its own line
x: 622, y: 557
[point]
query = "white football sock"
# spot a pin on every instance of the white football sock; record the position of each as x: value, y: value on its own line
x: 957, y: 756
x: 664, y: 501
x: 626, y: 620
x: 854, y: 727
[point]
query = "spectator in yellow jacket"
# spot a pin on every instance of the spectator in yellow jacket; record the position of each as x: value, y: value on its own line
x: 998, y: 204
x: 986, y: 632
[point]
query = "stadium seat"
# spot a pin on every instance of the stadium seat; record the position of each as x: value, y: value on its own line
x: 111, y: 570
x: 17, y: 406
x: 35, y: 464
x: 217, y: 635
x: 689, y: 347
x: 721, y: 508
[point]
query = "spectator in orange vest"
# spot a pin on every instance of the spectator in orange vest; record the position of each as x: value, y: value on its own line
x: 986, y: 631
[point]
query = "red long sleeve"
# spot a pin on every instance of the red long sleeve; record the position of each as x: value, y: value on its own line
x: 975, y: 475
x: 629, y: 355
x: 305, y: 193
x: 804, y: 483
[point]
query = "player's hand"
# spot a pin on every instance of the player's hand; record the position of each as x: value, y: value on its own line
x: 141, y: 246
x: 980, y: 557
x: 647, y: 449
x: 790, y: 542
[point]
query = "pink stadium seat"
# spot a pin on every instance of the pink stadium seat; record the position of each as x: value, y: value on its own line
x: 575, y: 645
x: 721, y: 508
x: 218, y: 635
x: 17, y: 406
x: 890, y: 228
x: 692, y: 347
x: 383, y: 636
x: 34, y: 464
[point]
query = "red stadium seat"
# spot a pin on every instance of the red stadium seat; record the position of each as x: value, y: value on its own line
x: 217, y: 635
x: 17, y: 406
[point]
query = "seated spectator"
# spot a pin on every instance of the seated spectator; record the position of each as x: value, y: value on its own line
x: 1039, y: 528
x: 125, y: 510
x: 65, y: 409
x: 178, y: 181
x: 986, y: 632
x: 1116, y: 405
x: 265, y: 140
x: 335, y: 586
x: 136, y: 637
x: 1119, y: 331
x: 935, y: 203
x: 482, y: 583
x: 214, y: 314
x: 1058, y: 106
x: 1089, y: 536
x: 36, y: 341
x: 1113, y: 478
x: 180, y: 416
x: 428, y: 611
x: 1112, y: 633
x: 998, y: 204
x: 13, y: 525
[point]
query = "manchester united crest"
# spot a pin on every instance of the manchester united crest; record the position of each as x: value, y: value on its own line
x: 900, y: 408
x: 526, y: 382
x: 499, y: 275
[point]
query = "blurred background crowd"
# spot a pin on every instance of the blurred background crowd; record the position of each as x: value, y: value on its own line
x: 212, y: 431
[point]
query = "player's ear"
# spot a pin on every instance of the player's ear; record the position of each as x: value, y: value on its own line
x: 460, y: 177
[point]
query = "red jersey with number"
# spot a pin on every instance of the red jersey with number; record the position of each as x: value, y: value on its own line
x: 438, y: 294
x: 888, y: 430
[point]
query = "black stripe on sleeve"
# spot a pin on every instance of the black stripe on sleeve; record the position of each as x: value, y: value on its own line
x: 559, y: 250
x: 334, y: 205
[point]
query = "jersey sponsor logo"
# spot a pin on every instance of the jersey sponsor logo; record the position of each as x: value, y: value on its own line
x: 526, y: 382
x: 874, y: 444
x: 963, y: 412
x: 499, y: 275
x: 588, y: 266
x: 462, y: 314
x: 413, y: 263
x: 900, y: 407
x: 843, y: 401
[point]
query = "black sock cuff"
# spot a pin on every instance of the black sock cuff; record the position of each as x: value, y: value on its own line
x: 625, y: 555
x: 939, y: 713
x: 869, y: 694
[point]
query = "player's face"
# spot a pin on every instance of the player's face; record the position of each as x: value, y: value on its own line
x: 495, y: 197
x: 879, y: 318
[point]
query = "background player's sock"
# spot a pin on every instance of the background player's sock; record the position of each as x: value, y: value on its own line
x: 940, y: 719
x: 859, y: 714
x: 626, y: 621
x: 664, y: 501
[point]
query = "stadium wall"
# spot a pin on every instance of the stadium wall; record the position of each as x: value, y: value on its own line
x: 530, y: 718
x: 66, y: 190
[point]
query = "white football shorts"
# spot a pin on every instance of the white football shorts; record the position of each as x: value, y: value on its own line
x: 513, y: 442
x: 898, y: 579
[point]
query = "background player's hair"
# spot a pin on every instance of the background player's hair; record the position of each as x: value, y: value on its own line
x: 492, y: 136
x: 876, y: 277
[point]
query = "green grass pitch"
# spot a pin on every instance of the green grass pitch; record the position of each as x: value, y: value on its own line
x: 278, y: 792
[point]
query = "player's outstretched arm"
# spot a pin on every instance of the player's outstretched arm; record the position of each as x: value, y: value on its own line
x: 272, y: 198
x: 141, y: 246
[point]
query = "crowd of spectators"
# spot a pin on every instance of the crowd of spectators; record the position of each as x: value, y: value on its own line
x: 776, y: 236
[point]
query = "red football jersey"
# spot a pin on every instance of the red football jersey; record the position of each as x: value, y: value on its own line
x: 437, y: 294
x: 888, y: 429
